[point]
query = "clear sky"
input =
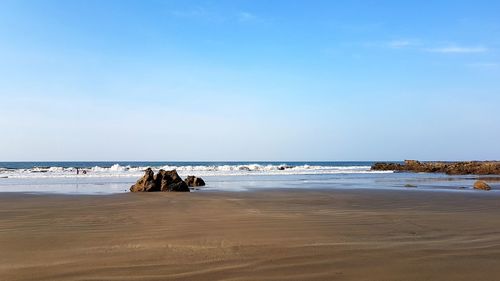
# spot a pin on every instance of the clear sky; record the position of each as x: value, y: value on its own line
x: 249, y: 80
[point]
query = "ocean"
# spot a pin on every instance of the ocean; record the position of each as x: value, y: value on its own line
x: 117, y: 176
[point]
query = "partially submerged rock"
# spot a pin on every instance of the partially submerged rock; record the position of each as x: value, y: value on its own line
x: 193, y: 181
x: 162, y: 181
x: 482, y: 185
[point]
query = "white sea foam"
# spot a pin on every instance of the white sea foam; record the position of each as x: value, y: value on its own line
x: 117, y: 170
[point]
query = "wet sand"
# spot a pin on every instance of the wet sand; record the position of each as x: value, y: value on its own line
x: 264, y: 235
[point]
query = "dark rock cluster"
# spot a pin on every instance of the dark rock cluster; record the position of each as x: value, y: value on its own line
x: 165, y: 181
x: 193, y: 181
x: 450, y: 168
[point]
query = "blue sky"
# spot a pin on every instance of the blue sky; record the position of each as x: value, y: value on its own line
x: 249, y: 80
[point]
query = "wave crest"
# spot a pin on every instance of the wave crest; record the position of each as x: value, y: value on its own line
x: 117, y: 170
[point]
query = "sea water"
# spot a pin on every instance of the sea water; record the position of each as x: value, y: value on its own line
x: 117, y: 177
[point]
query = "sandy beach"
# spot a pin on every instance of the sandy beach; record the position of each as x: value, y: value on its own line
x: 264, y: 235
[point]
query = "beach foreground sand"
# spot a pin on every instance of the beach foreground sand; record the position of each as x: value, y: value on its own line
x: 265, y: 235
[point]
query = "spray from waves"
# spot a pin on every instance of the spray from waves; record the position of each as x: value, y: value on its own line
x: 117, y: 170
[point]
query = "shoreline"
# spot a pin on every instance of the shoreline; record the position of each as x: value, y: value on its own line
x: 314, y: 234
x: 403, y: 189
x: 386, y: 181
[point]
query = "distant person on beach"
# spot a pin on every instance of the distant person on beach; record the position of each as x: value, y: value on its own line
x: 83, y: 171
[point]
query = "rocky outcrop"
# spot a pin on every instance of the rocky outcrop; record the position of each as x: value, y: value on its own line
x: 162, y: 181
x: 482, y: 185
x: 193, y: 181
x: 450, y: 168
x: 386, y: 166
x: 146, y: 183
x: 170, y: 181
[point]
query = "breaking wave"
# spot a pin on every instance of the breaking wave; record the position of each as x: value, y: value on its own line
x: 117, y: 170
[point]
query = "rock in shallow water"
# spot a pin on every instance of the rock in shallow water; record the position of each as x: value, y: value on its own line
x: 482, y: 185
x: 193, y: 181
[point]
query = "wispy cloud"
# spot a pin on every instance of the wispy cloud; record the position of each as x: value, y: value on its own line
x: 401, y: 43
x: 485, y: 65
x: 392, y: 44
x: 356, y: 28
x: 199, y: 13
x: 190, y: 13
x: 204, y: 13
x: 246, y: 17
x: 458, y: 50
x: 419, y: 45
